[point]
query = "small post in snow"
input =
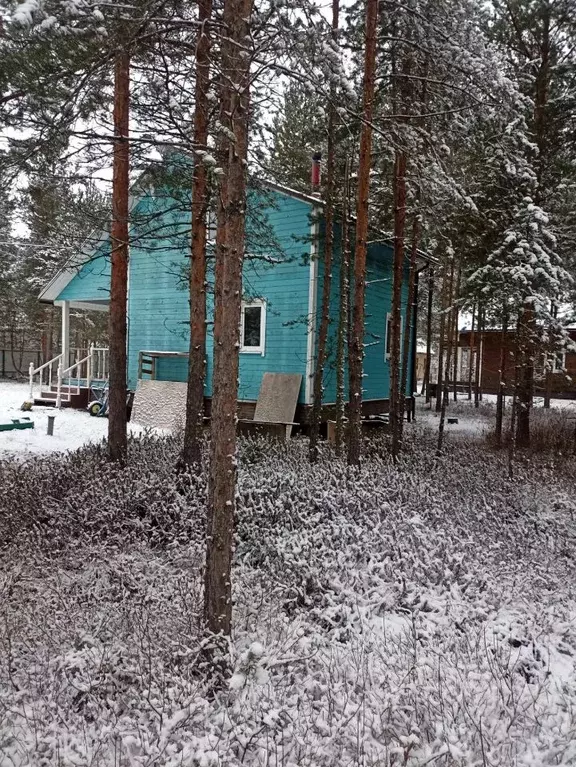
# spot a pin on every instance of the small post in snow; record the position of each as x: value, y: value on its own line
x: 51, y: 419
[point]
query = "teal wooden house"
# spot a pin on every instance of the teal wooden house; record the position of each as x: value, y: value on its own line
x: 282, y: 288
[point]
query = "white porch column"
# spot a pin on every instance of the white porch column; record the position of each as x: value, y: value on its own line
x: 65, y: 345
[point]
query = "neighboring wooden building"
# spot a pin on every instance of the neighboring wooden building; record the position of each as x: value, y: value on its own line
x: 562, y: 377
x: 282, y: 285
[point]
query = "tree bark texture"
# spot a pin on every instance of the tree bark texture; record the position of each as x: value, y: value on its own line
x: 117, y: 436
x: 514, y: 411
x: 356, y: 351
x: 441, y: 340
x: 409, y: 317
x: 234, y: 106
x: 549, y: 360
x: 396, y: 415
x: 191, y: 453
x: 328, y: 252
x: 525, y: 384
x: 471, y: 353
x: 455, y: 336
x: 428, y: 363
x: 479, y: 352
x: 445, y: 387
x: 502, y: 379
x: 344, y: 296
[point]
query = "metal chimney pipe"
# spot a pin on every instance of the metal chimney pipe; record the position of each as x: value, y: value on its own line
x: 315, y: 179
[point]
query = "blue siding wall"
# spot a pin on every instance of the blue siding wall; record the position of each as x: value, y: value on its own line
x: 283, y: 284
x: 93, y: 279
x: 157, y: 298
x: 378, y: 304
x: 277, y: 271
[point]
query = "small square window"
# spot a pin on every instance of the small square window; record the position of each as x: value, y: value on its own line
x: 253, y: 327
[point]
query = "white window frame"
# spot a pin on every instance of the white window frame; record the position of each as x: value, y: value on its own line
x: 261, y: 349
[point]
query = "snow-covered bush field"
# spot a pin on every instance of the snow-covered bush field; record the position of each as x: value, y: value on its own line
x: 414, y: 615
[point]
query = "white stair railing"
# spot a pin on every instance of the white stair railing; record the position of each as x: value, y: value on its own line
x: 68, y: 373
x: 100, y: 363
x: 50, y: 367
x: 95, y: 364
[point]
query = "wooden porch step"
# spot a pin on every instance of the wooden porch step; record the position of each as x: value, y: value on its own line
x: 45, y: 401
x: 69, y: 397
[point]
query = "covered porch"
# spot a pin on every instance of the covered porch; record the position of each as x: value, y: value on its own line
x: 67, y: 379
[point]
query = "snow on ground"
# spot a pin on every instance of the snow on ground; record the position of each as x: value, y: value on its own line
x: 469, y: 425
x: 72, y: 428
x: 412, y: 615
x: 472, y: 422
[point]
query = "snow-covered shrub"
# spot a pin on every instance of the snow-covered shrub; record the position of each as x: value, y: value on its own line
x: 82, y: 497
x: 419, y: 614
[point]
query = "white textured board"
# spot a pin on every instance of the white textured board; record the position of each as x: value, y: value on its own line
x: 278, y: 397
x: 160, y: 404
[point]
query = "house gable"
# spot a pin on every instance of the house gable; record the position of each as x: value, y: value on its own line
x: 91, y: 280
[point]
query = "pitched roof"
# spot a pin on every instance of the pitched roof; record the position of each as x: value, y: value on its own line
x: 66, y: 274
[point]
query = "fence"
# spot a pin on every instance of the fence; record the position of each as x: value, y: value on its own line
x: 15, y: 364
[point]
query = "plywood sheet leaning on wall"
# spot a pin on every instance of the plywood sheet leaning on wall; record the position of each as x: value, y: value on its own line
x: 160, y: 404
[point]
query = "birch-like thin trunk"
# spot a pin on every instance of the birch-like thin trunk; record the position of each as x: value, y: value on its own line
x: 117, y: 420
x: 318, y: 386
x: 192, y: 449
x: 356, y: 349
x: 344, y: 296
x: 234, y: 114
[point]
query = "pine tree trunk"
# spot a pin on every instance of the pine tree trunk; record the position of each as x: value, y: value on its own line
x: 396, y: 415
x: 328, y: 251
x: 446, y: 376
x: 548, y: 383
x: 514, y: 412
x: 525, y: 386
x: 344, y: 295
x: 479, y: 353
x: 410, y: 317
x: 441, y: 340
x: 549, y: 360
x: 426, y: 381
x: 455, y: 336
x: 471, y: 353
x: 191, y: 452
x: 502, y: 380
x: 356, y: 350
x: 117, y: 436
x: 234, y: 106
